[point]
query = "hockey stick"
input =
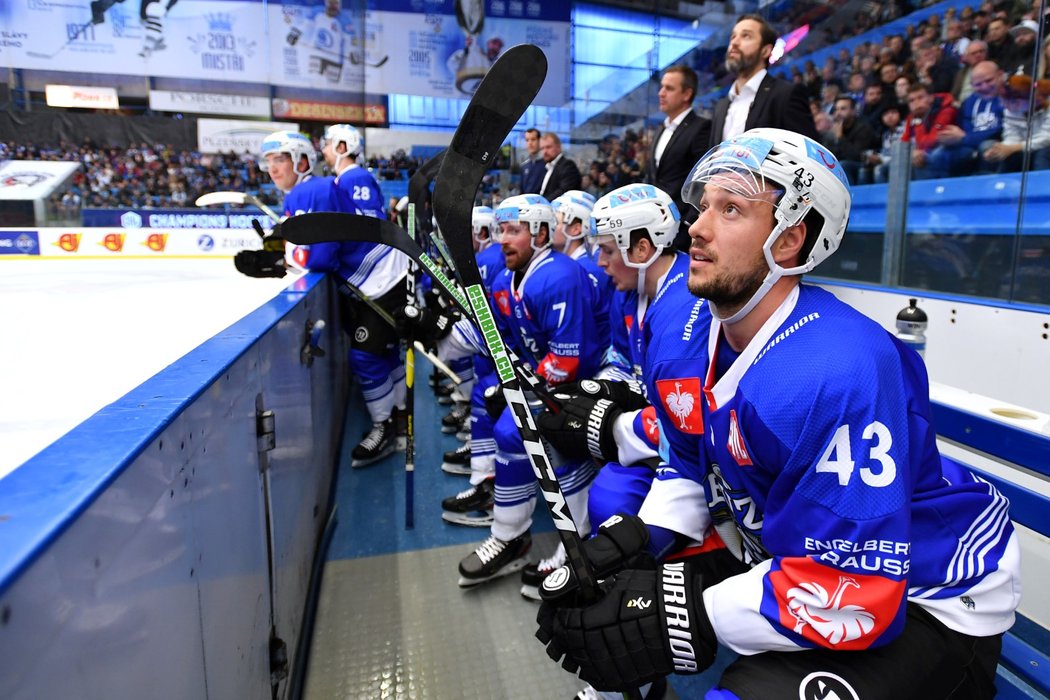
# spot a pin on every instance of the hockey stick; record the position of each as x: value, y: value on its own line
x: 238, y: 198
x: 498, y: 103
x: 357, y: 60
x: 81, y: 30
x: 410, y: 398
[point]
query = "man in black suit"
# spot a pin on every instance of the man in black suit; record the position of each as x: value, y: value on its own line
x: 680, y: 143
x: 532, y: 170
x: 562, y: 174
x: 756, y: 98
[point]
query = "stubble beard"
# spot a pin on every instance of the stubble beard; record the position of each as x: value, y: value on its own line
x: 729, y: 294
x: 744, y: 64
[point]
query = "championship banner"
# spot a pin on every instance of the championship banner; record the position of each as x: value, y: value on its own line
x: 173, y: 218
x: 201, y: 39
x: 225, y: 135
x: 209, y: 103
x: 370, y: 114
x: 440, y: 48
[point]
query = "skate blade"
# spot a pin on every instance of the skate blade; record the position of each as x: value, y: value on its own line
x: 457, y: 469
x: 530, y: 592
x: 358, y: 463
x: 512, y: 567
x: 475, y: 519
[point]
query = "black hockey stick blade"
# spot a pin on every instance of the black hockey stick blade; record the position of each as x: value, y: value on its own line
x: 418, y: 185
x: 504, y: 94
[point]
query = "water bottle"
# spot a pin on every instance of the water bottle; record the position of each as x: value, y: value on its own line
x: 911, y: 328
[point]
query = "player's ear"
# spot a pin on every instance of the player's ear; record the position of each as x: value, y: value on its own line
x: 788, y: 246
x: 544, y: 236
x: 304, y: 165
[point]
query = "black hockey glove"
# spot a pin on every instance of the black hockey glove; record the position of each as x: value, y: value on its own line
x: 260, y: 263
x: 619, y: 543
x: 648, y: 624
x: 495, y: 402
x: 626, y: 395
x: 583, y: 428
x: 426, y: 325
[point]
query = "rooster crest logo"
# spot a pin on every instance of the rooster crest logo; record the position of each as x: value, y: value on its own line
x: 680, y: 404
x: 810, y: 604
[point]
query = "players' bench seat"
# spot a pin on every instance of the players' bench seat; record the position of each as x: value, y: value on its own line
x: 1024, y: 668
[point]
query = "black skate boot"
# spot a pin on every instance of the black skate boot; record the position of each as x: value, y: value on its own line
x: 457, y: 461
x: 376, y: 444
x: 494, y: 558
x: 471, y: 507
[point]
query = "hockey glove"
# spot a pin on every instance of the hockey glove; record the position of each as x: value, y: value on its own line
x: 626, y: 395
x: 619, y: 543
x: 260, y: 263
x: 649, y: 623
x: 426, y: 325
x: 583, y: 428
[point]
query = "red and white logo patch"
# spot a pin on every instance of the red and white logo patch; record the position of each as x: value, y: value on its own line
x: 681, y: 398
x: 736, y: 444
x: 502, y: 298
x: 833, y: 608
x: 651, y: 425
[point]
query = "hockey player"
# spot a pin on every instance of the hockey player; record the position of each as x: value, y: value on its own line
x: 850, y: 533
x: 473, y: 506
x: 572, y: 211
x: 379, y: 272
x: 341, y: 146
x: 151, y: 14
x: 325, y: 35
x: 635, y: 227
x: 545, y: 309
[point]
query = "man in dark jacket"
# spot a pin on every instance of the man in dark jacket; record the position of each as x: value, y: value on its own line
x: 562, y: 174
x: 852, y: 140
x: 757, y: 98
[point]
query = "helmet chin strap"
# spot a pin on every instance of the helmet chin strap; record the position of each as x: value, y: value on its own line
x: 643, y: 298
x: 772, y: 277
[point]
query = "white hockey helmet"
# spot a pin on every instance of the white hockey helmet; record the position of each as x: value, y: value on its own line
x: 346, y: 134
x: 483, y: 218
x: 633, y: 208
x: 295, y: 145
x: 808, y: 179
x: 573, y: 205
x: 530, y: 208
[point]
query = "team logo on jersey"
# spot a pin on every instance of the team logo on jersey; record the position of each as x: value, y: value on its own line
x: 736, y: 445
x: 301, y: 256
x: 651, y: 424
x: 833, y: 608
x: 823, y: 685
x: 681, y: 398
x: 628, y: 321
x: 502, y: 298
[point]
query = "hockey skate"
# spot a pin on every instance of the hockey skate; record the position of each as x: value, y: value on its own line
x: 533, y: 574
x: 457, y: 461
x: 443, y: 392
x: 377, y: 443
x: 453, y: 422
x: 494, y: 558
x: 471, y: 507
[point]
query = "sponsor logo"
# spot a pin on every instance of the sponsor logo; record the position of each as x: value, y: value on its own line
x: 968, y: 602
x: 681, y: 398
x: 736, y: 445
x: 594, y: 426
x: 69, y: 242
x: 130, y: 219
x: 490, y: 333
x: 361, y: 334
x: 25, y: 179
x: 822, y: 685
x: 676, y: 617
x: 113, y: 242
x: 19, y: 243
x: 206, y: 243
x: 639, y: 602
x: 832, y: 608
x: 157, y: 242
x: 557, y: 579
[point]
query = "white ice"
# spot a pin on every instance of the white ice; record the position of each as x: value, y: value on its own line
x: 79, y: 334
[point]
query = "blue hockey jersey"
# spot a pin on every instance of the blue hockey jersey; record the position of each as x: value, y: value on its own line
x: 549, y: 318
x: 819, y: 469
x: 603, y: 289
x: 363, y: 189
